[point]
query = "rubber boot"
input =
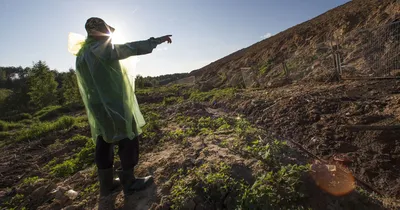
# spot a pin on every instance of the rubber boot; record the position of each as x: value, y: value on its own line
x: 107, y: 182
x: 130, y: 183
x: 107, y: 186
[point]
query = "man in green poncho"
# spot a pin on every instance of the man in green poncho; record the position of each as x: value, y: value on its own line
x: 111, y: 106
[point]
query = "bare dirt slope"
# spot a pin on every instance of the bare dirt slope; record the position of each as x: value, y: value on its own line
x: 306, y: 47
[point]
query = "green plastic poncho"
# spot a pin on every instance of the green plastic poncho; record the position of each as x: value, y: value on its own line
x: 106, y: 84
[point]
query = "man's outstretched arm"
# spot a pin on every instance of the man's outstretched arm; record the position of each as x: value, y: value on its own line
x: 122, y: 51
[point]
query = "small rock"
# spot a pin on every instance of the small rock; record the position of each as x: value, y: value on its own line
x: 71, y: 194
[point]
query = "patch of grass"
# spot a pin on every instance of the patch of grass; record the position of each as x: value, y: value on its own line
x: 56, y: 145
x: 63, y: 169
x: 192, y: 127
x: 6, y: 126
x: 51, y: 163
x: 17, y: 117
x: 91, y: 189
x: 214, y: 95
x: 81, y: 122
x: 4, y: 134
x: 153, y: 125
x: 84, y: 158
x: 78, y: 138
x: 28, y: 121
x: 51, y: 112
x: 40, y: 129
x: 267, y: 66
x: 172, y: 100
x: 31, y: 180
x: 48, y: 111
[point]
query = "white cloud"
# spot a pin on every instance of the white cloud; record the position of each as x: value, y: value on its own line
x: 265, y: 36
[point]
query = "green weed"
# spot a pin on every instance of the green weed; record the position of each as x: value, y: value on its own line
x: 91, y: 189
x: 271, y: 153
x: 85, y: 156
x: 244, y: 129
x: 181, y: 193
x: 31, y: 180
x: 83, y: 159
x: 78, y: 138
x: 267, y: 66
x: 63, y: 169
x: 39, y: 130
x: 275, y: 190
x: 172, y: 100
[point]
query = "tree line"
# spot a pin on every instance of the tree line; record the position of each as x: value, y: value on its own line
x: 32, y: 88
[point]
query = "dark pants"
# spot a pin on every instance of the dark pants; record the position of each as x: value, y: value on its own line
x: 128, y: 152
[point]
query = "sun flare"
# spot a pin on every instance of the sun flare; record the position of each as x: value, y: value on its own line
x: 117, y: 38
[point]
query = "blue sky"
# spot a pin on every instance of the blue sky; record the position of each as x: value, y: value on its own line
x: 203, y: 30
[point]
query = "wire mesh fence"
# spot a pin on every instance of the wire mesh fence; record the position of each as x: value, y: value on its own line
x: 370, y: 53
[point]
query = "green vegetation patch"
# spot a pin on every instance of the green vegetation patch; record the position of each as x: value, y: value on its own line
x: 83, y: 159
x: 49, y: 112
x: 17, y: 117
x: 214, y: 184
x: 40, y: 129
x: 6, y: 126
x: 172, y: 100
x: 31, y: 180
x: 276, y: 190
x: 214, y: 95
x: 266, y: 66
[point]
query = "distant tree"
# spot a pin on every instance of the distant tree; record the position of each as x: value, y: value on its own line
x: 139, y: 81
x: 70, y: 89
x: 42, y: 85
x: 3, y: 78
